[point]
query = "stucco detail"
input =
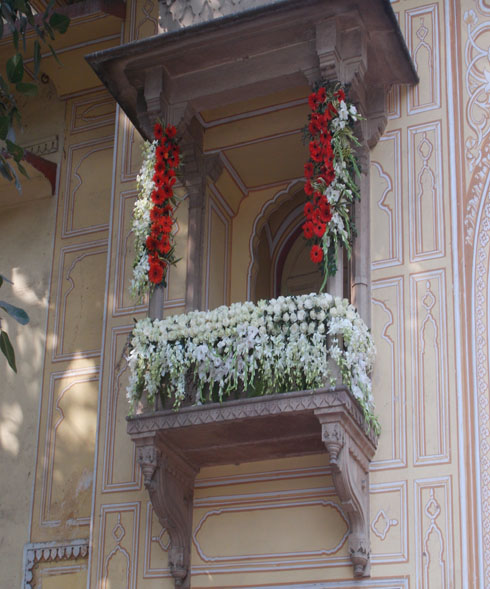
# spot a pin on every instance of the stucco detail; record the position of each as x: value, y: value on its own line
x: 177, y: 14
x: 51, y: 552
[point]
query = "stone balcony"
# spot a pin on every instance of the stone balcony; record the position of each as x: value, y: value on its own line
x: 172, y: 446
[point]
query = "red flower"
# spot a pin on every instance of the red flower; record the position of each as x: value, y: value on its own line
x: 313, y: 101
x: 309, y: 170
x: 308, y: 230
x: 164, y: 246
x: 151, y: 243
x: 156, y: 213
x: 162, y: 153
x: 158, y: 131
x: 315, y: 151
x: 155, y: 273
x: 159, y: 167
x: 167, y: 192
x: 157, y: 179
x: 319, y: 229
x: 157, y: 196
x: 340, y: 94
x: 165, y: 224
x: 170, y: 131
x: 316, y: 254
x: 308, y: 188
x: 321, y: 95
x: 308, y: 209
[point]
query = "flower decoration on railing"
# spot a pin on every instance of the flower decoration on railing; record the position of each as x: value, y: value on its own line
x: 330, y: 175
x: 280, y: 345
x: 153, y: 218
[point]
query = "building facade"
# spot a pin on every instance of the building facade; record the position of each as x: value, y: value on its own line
x: 74, y: 508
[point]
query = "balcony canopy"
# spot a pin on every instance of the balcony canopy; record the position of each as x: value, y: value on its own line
x: 255, y: 53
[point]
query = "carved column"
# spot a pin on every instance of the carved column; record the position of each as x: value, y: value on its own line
x: 198, y: 167
x: 169, y: 480
x: 350, y: 454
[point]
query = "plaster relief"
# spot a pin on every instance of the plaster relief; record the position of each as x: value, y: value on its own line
x: 426, y: 217
x: 389, y: 531
x: 80, y: 301
x: 389, y: 376
x: 218, y: 236
x: 269, y: 537
x: 120, y: 467
x: 434, y: 539
x: 132, y: 145
x: 88, y: 195
x: 118, y: 540
x: 69, y: 448
x: 92, y: 112
x: 386, y: 205
x: 429, y: 367
x: 157, y: 545
x: 144, y: 19
x: 422, y: 34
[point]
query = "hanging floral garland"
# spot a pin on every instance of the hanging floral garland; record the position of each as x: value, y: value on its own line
x: 153, y: 218
x: 330, y: 175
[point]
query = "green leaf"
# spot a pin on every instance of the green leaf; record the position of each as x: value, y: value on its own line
x: 22, y: 170
x: 5, y: 169
x: 49, y: 7
x: 16, y: 312
x: 54, y: 54
x: 26, y: 88
x: 15, y: 150
x: 1, y: 28
x: 15, y: 68
x: 4, y: 127
x: 2, y: 277
x: 7, y: 349
x: 59, y: 22
x: 15, y: 35
x: 37, y: 57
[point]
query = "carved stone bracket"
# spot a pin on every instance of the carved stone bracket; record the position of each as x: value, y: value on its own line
x: 350, y: 456
x: 172, y: 447
x: 169, y: 479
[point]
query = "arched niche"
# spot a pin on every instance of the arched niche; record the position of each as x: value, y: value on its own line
x: 280, y: 257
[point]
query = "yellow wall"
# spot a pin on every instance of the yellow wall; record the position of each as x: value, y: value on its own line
x: 277, y: 522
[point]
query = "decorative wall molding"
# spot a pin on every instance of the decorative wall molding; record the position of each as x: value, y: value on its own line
x: 44, y: 146
x: 51, y: 552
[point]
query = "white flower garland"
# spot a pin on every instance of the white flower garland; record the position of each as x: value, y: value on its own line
x: 273, y: 346
x: 141, y: 225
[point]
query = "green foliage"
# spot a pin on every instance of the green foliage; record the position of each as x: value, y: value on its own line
x: 20, y: 316
x: 16, y: 18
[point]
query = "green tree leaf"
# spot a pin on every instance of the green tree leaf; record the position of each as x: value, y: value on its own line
x: 15, y: 312
x: 15, y: 150
x: 15, y: 68
x: 4, y: 127
x: 7, y: 349
x: 26, y: 88
x: 59, y: 22
x: 37, y: 57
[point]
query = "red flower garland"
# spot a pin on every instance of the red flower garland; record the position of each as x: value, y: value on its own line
x: 159, y: 243
x: 319, y: 167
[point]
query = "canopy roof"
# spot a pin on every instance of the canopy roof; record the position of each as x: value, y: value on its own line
x: 253, y: 53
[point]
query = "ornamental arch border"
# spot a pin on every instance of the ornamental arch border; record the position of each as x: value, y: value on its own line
x: 271, y: 206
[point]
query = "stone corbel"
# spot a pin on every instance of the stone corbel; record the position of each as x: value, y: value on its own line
x: 169, y: 480
x: 349, y: 458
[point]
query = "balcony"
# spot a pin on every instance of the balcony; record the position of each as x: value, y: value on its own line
x: 180, y: 76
